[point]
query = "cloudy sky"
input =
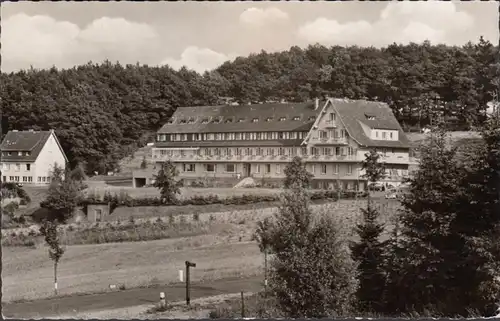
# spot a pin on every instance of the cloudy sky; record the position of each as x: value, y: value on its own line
x: 203, y: 35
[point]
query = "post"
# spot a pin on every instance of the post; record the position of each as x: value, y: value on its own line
x: 55, y: 278
x: 242, y: 305
x: 188, y: 265
x: 163, y: 301
x: 265, y: 272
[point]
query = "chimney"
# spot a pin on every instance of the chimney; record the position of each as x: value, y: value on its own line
x: 316, y: 103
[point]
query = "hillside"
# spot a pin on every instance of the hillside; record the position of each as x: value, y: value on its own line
x: 103, y: 112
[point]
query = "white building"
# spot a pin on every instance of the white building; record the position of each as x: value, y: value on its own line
x: 28, y: 157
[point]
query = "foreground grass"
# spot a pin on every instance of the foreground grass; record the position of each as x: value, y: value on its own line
x: 28, y: 273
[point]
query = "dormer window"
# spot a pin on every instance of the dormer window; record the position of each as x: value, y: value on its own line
x: 216, y: 120
x: 204, y: 121
x: 269, y: 119
x: 312, y: 118
x: 19, y: 153
x: 255, y: 120
x: 229, y: 120
x: 370, y: 116
x: 183, y: 121
x: 241, y: 120
x: 282, y: 118
x: 296, y: 118
x: 191, y: 120
x: 170, y: 121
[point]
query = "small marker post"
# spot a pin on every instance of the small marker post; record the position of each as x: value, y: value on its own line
x: 163, y: 301
x: 181, y: 275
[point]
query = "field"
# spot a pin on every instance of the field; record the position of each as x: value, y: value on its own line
x: 223, y: 252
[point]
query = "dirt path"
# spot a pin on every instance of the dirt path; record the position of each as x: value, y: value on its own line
x: 127, y: 298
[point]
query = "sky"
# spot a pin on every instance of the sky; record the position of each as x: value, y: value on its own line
x: 202, y: 35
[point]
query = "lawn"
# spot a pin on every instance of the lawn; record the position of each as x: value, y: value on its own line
x: 28, y: 273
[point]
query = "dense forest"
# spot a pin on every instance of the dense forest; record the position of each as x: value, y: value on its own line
x: 103, y: 112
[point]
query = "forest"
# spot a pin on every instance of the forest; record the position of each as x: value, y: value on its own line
x: 102, y: 112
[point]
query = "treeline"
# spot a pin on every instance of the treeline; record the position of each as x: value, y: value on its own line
x: 103, y: 112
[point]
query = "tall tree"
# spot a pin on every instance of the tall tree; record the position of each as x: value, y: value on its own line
x: 167, y: 183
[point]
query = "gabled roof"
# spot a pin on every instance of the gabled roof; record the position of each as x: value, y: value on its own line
x: 25, y: 141
x: 352, y: 112
x: 241, y: 118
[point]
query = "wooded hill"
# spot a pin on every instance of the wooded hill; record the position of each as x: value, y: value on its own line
x: 103, y: 112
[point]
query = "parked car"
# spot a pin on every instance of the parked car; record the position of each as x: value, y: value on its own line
x: 376, y: 187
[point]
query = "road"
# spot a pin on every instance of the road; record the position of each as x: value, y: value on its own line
x: 127, y: 298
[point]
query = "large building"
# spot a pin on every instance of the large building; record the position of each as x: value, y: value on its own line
x: 258, y: 141
x: 28, y: 157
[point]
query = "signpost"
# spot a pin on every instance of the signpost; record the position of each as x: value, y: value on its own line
x: 188, y: 265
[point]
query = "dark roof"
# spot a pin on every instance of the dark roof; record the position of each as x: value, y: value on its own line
x: 352, y: 112
x: 240, y: 118
x: 24, y: 141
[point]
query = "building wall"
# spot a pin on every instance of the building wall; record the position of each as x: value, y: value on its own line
x: 18, y: 172
x: 50, y: 154
x: 93, y: 214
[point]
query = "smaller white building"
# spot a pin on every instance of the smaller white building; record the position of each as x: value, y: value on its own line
x: 28, y: 157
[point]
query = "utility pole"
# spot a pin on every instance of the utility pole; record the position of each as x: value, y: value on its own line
x: 188, y: 265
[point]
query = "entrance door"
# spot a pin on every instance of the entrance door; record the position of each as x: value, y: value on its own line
x: 247, y: 169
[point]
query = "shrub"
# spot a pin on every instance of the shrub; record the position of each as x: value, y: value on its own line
x: 196, y: 216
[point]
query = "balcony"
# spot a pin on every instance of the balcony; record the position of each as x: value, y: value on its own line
x: 257, y: 158
x: 330, y: 124
x: 329, y: 140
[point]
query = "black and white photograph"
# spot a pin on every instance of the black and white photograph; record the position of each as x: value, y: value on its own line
x: 250, y: 160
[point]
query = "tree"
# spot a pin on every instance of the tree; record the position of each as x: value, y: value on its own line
x: 50, y: 233
x: 312, y: 273
x: 374, y: 170
x: 263, y: 236
x: 296, y: 174
x: 166, y: 182
x: 449, y: 220
x: 144, y: 163
x: 369, y: 252
x: 62, y: 197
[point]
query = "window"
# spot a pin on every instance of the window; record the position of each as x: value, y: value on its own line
x: 230, y: 168
x: 247, y: 152
x: 376, y: 134
x: 210, y: 168
x: 4, y: 179
x: 170, y: 121
x: 98, y: 214
x: 229, y: 120
x: 25, y: 179
x: 39, y: 179
x: 43, y: 179
x: 182, y: 121
x: 303, y: 151
x: 336, y: 168
x: 241, y: 120
x: 349, y: 169
x: 191, y: 120
x: 322, y: 134
x: 268, y: 168
x: 30, y: 179
x: 390, y: 135
x: 259, y: 151
x: 323, y: 168
x: 384, y: 134
x: 257, y: 168
x: 190, y: 168
x: 281, y: 151
x: 332, y: 116
x: 255, y: 120
x: 293, y: 135
x: 296, y: 118
x: 350, y: 151
x: 217, y: 120
x: 18, y: 167
x: 16, y: 178
x: 6, y: 167
x: 204, y: 121
x: 269, y: 119
x: 19, y: 153
x: 313, y: 168
x: 282, y: 118
x: 280, y: 135
x: 278, y: 168
x: 311, y: 118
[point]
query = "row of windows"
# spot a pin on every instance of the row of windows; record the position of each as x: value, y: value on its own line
x: 281, y: 151
x: 230, y: 136
x: 232, y: 119
x: 231, y: 168
x: 17, y: 167
x: 312, y: 168
x: 19, y: 153
x: 332, y: 133
x: 27, y: 179
x: 384, y: 135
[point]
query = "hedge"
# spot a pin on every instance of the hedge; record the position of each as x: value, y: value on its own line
x: 125, y: 200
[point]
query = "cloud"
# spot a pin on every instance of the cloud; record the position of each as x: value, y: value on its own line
x: 256, y: 17
x: 198, y: 59
x: 42, y: 42
x: 400, y: 22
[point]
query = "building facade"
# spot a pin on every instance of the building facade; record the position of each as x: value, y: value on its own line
x: 332, y: 138
x: 28, y: 157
